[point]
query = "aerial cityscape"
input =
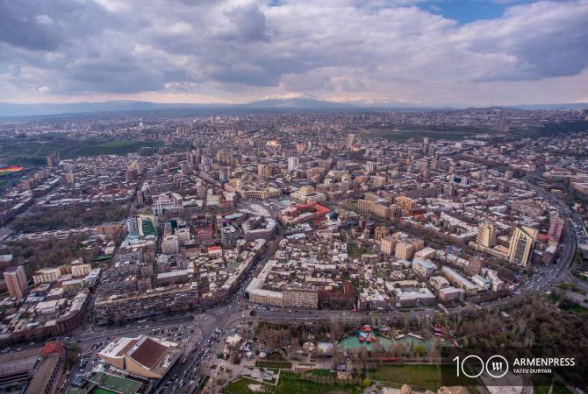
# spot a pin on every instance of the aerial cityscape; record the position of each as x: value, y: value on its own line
x: 250, y: 197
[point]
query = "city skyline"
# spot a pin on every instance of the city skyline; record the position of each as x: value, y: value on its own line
x: 426, y: 53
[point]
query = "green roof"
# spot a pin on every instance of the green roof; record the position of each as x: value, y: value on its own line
x: 147, y: 227
x: 100, y: 390
x: 114, y: 384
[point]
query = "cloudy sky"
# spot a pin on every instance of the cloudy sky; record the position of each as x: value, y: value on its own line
x: 474, y: 52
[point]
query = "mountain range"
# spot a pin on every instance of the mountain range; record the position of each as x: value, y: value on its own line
x: 284, y: 103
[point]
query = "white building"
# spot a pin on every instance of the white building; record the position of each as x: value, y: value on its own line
x: 293, y: 163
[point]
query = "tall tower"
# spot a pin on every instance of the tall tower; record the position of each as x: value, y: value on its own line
x: 293, y: 163
x: 522, y: 243
x: 556, y: 226
x: 16, y: 281
x: 486, y: 235
x: 371, y: 167
x: 349, y: 141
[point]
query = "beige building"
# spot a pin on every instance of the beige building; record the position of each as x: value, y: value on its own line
x: 388, y: 245
x: 142, y: 356
x: 264, y: 170
x: 365, y: 205
x: 47, y: 275
x: 379, y: 181
x: 72, y: 286
x: 395, y: 212
x: 261, y: 194
x: 170, y: 244
x: 380, y: 233
x: 269, y: 297
x: 16, y: 281
x: 486, y: 235
x: 80, y: 269
x: 404, y: 251
x: 301, y: 298
x: 521, y: 247
x: 307, y: 195
x: 406, y: 204
x: 381, y: 211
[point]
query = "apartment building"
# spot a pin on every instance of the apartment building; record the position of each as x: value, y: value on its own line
x: 16, y: 281
x: 486, y: 236
x: 521, y: 247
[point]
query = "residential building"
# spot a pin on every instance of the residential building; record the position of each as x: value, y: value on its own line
x: 521, y: 247
x: 16, y: 281
x: 293, y: 163
x: 170, y: 244
x: 486, y: 235
x: 46, y: 275
x: 300, y: 298
x: 404, y: 251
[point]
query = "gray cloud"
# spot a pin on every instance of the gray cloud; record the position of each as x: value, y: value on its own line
x: 349, y: 48
x: 22, y: 24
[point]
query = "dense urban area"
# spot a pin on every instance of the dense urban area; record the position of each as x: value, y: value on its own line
x: 290, y: 251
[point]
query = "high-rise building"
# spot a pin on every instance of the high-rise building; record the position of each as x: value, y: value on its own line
x: 395, y: 212
x: 264, y: 170
x: 70, y: 178
x: 371, y: 167
x: 16, y: 281
x: 380, y: 233
x: 53, y: 160
x: 406, y: 204
x: 388, y: 245
x: 223, y: 174
x: 486, y: 235
x: 350, y: 140
x: 556, y: 226
x: 170, y: 244
x: 293, y: 163
x: 229, y: 236
x: 522, y: 243
x: 224, y: 156
x: 404, y: 251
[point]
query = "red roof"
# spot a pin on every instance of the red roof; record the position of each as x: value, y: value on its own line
x: 149, y: 353
x: 52, y: 348
x: 543, y: 237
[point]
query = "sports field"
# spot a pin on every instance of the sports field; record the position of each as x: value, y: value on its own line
x: 116, y: 384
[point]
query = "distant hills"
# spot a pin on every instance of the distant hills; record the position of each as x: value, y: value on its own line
x: 553, y: 106
x: 285, y: 103
x: 10, y: 110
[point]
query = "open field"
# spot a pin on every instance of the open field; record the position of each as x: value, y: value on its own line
x: 290, y: 383
x: 421, y: 376
x: 240, y: 386
x: 274, y: 364
x: 121, y: 147
x: 30, y: 152
x: 401, y: 134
